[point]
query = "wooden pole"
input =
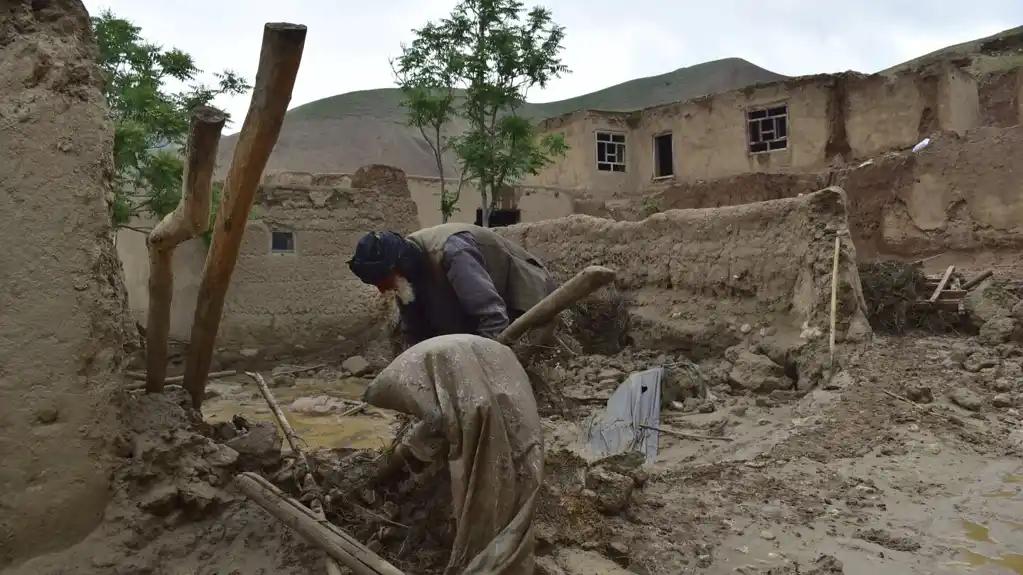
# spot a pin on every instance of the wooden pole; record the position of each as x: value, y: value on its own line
x: 279, y: 61
x: 583, y: 284
x: 321, y: 533
x: 189, y: 219
x: 976, y: 281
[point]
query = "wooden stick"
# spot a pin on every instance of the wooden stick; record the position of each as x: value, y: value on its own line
x: 275, y: 79
x: 976, y: 281
x: 333, y: 540
x: 583, y: 284
x: 684, y: 435
x: 834, y: 302
x: 295, y: 442
x: 189, y: 219
x: 941, y: 284
x: 139, y: 376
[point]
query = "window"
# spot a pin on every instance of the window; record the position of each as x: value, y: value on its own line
x: 610, y: 152
x: 768, y: 129
x: 664, y: 158
x: 282, y: 242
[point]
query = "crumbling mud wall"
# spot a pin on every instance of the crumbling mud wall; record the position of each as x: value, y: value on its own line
x: 307, y: 296
x: 701, y: 280
x: 959, y: 193
x: 62, y: 300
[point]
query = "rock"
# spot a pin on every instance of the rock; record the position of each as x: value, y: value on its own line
x: 47, y: 415
x: 988, y: 301
x: 249, y: 353
x: 283, y: 380
x: 160, y: 500
x: 997, y: 330
x: 317, y: 405
x: 613, y: 374
x: 756, y: 372
x: 613, y: 490
x: 200, y: 499
x: 919, y: 394
x: 1002, y: 385
x: 977, y: 362
x: 765, y: 534
x: 356, y: 365
x: 1002, y: 400
x: 217, y: 389
x: 738, y: 410
x: 259, y: 447
x: 966, y: 399
x: 224, y: 456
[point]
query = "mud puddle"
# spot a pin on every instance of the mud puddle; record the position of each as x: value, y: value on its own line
x: 369, y: 429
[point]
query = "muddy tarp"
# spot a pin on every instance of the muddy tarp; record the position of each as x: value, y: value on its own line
x: 476, y: 407
x: 625, y: 425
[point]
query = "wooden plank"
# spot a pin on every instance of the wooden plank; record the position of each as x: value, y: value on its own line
x: 279, y: 61
x: 949, y: 294
x: 941, y: 284
x: 946, y: 305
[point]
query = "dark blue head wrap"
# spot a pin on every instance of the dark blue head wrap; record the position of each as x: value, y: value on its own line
x: 380, y: 253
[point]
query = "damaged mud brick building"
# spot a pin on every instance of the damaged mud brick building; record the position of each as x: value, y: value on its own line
x: 292, y: 288
x: 801, y: 123
x: 63, y: 309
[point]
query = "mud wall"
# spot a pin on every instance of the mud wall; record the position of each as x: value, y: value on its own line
x: 62, y: 301
x: 959, y: 193
x: 305, y: 296
x: 309, y: 297
x: 536, y: 202
x: 702, y: 274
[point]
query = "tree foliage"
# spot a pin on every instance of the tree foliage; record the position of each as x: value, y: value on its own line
x: 478, y: 66
x: 151, y: 119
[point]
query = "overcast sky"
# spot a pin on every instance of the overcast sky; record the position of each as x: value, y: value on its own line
x: 607, y: 42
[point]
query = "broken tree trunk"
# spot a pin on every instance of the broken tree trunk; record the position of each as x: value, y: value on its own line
x: 279, y: 60
x: 320, y: 532
x: 188, y: 220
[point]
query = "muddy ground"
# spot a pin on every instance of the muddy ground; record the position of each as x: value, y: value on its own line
x: 852, y: 478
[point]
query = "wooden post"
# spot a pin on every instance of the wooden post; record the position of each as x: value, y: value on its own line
x: 583, y: 284
x: 279, y: 60
x: 188, y: 220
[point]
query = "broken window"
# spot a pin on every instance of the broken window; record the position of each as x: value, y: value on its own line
x: 768, y: 129
x: 610, y: 152
x: 282, y: 242
x: 664, y: 157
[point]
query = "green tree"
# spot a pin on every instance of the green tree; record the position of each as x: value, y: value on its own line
x: 479, y: 65
x: 430, y: 99
x: 151, y: 120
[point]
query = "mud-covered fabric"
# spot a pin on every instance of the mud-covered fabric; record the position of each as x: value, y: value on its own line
x: 476, y: 409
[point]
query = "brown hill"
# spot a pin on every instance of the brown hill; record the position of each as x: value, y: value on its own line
x: 344, y: 132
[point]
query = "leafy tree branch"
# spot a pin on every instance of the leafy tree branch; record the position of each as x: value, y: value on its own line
x: 478, y: 66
